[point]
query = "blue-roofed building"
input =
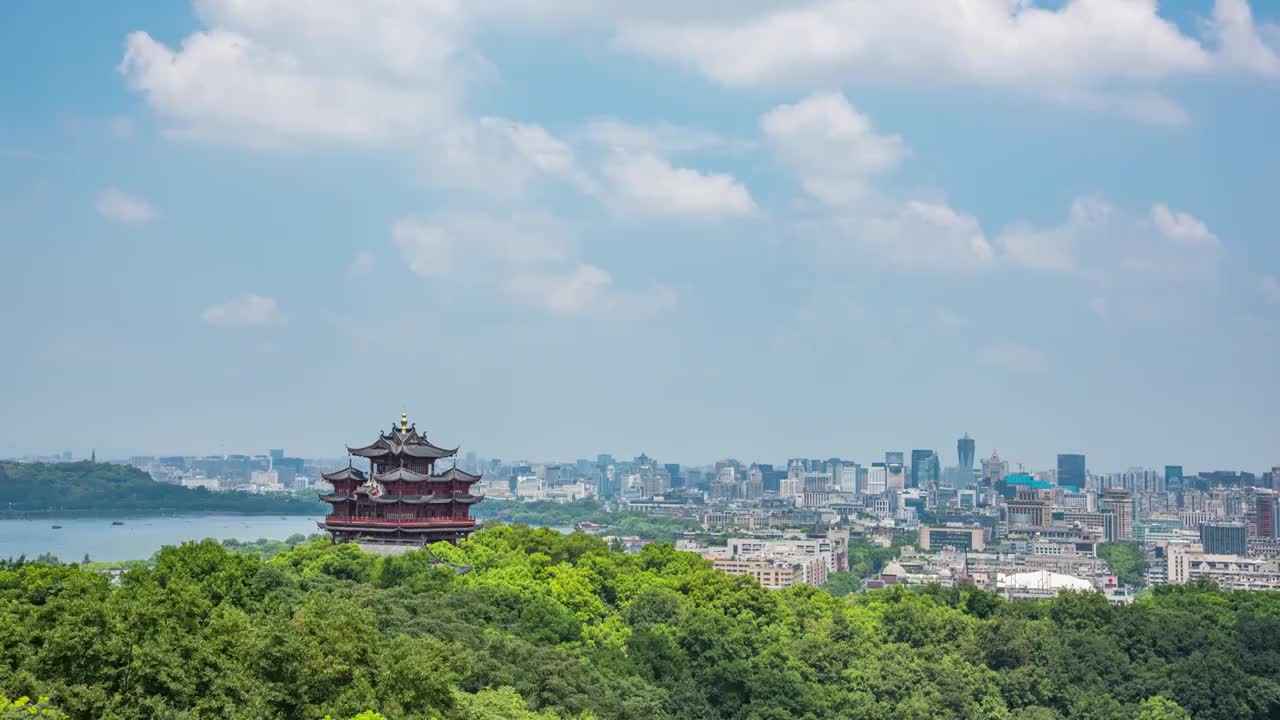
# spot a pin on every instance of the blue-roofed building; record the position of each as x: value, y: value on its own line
x: 1013, y: 482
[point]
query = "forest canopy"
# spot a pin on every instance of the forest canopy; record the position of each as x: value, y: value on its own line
x: 107, y: 489
x: 522, y: 623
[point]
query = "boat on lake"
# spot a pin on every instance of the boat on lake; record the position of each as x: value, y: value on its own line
x: 117, y: 522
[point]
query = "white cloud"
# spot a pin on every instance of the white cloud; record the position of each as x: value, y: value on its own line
x: 1242, y: 44
x: 460, y: 244
x: 836, y: 153
x: 248, y: 310
x: 1006, y: 355
x: 1270, y: 288
x: 228, y: 87
x: 1182, y: 227
x: 119, y: 206
x: 645, y: 184
x: 663, y: 139
x: 831, y: 146
x: 499, y: 157
x: 921, y: 236
x: 585, y: 287
x: 529, y: 259
x: 1111, y: 247
x: 1096, y: 54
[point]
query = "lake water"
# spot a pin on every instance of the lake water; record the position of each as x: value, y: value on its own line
x: 139, y: 537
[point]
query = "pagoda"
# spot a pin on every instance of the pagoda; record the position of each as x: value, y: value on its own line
x: 401, y: 500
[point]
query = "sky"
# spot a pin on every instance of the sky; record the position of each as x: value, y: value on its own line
x: 548, y: 229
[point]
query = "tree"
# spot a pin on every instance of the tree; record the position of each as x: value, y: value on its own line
x: 1159, y: 707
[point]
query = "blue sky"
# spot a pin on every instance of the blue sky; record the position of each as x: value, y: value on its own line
x: 759, y: 229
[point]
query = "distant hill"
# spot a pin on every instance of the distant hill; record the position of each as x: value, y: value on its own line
x: 87, y: 488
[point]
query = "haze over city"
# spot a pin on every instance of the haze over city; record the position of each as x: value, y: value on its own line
x: 555, y: 229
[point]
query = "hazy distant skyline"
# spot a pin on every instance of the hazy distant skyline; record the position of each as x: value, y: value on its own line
x: 763, y: 230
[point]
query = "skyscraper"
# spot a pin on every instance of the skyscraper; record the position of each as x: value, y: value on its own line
x: 1071, y: 471
x: 1116, y: 505
x: 1173, y: 478
x: 966, y: 448
x: 925, y: 468
x: 877, y: 479
x: 1268, y: 522
x: 896, y: 478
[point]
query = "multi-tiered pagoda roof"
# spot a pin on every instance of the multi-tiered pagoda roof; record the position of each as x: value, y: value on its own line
x: 402, y: 498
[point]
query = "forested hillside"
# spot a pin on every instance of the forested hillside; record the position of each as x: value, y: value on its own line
x: 102, y: 488
x: 517, y: 622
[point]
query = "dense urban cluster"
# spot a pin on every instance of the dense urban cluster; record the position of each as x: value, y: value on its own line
x: 980, y: 522
x: 521, y: 624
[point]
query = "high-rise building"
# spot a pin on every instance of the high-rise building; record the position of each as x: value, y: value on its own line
x: 1116, y: 506
x: 1265, y: 517
x: 994, y: 469
x: 895, y: 471
x: 816, y: 487
x: 673, y: 472
x: 771, y: 478
x: 847, y: 478
x: 1224, y: 538
x: 1071, y: 472
x: 925, y: 471
x: 1173, y: 477
x: 965, y: 447
x: 877, y: 479
x: 276, y: 454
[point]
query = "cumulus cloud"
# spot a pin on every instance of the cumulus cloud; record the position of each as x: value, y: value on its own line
x: 224, y: 86
x: 1182, y: 227
x: 1110, y: 246
x: 832, y: 147
x: 582, y: 288
x: 645, y: 184
x: 1242, y: 44
x: 1098, y: 53
x: 248, y: 310
x: 529, y: 259
x: 836, y: 153
x: 500, y: 157
x: 665, y: 139
x: 121, y: 207
x: 1007, y: 355
x: 461, y: 243
x: 921, y: 236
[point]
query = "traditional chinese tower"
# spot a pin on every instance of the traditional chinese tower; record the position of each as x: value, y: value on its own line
x: 402, y: 500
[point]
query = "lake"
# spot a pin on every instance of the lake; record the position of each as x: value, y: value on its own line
x: 139, y: 537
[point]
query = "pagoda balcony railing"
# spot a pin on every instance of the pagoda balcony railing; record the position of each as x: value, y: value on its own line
x: 389, y: 522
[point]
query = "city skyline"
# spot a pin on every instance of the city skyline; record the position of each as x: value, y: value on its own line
x: 864, y: 460
x: 551, y: 228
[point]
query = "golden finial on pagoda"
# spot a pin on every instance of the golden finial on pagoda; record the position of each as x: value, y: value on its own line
x: 404, y: 422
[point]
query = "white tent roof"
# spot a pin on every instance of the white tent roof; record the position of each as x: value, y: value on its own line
x: 1043, y: 580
